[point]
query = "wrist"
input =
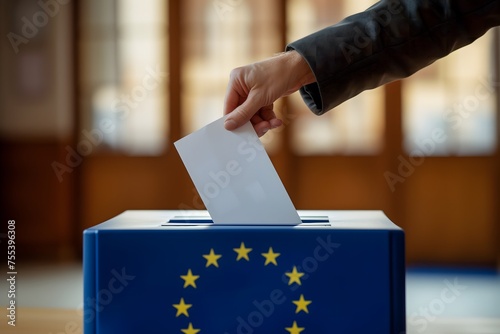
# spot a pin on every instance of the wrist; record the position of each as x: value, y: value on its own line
x: 300, y: 68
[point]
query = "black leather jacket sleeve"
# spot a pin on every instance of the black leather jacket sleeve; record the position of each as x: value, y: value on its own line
x: 390, y: 40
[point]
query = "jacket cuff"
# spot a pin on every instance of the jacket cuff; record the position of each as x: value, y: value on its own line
x: 311, y: 94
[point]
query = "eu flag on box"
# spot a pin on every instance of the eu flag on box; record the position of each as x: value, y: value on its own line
x: 151, y: 272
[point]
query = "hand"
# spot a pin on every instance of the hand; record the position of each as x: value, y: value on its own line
x: 253, y: 89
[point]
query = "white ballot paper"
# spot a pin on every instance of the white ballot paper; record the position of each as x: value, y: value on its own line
x: 235, y: 177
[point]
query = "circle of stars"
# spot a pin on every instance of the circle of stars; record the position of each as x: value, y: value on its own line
x: 242, y: 253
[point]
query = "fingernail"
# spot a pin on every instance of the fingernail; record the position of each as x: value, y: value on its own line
x: 230, y: 124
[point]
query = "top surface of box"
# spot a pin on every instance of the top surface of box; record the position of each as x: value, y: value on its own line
x: 200, y: 219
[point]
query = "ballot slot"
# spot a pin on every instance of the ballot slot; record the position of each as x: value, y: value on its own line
x: 205, y: 220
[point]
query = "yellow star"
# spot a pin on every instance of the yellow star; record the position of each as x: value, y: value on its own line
x: 190, y: 330
x: 182, y: 308
x: 212, y: 258
x: 271, y: 257
x: 302, y: 304
x: 294, y: 276
x: 242, y: 252
x: 190, y: 279
x: 294, y: 329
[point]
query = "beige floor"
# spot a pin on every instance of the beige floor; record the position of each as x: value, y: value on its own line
x: 48, y: 299
x: 44, y: 320
x: 61, y: 321
x: 47, y: 285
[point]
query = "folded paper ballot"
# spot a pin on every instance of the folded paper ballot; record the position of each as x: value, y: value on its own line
x: 235, y: 177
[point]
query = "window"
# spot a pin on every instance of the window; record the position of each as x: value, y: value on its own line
x: 124, y: 86
x: 219, y: 36
x: 356, y: 126
x: 449, y: 107
x: 124, y: 75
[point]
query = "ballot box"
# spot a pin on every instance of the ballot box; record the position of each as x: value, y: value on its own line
x: 177, y: 272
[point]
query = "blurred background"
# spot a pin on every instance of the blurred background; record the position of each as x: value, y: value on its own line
x: 94, y: 93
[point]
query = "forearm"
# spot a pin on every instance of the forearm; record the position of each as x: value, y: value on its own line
x: 389, y: 41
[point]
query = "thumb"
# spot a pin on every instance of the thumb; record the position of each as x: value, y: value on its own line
x: 242, y: 113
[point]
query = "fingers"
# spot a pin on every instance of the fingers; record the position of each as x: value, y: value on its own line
x: 243, y: 113
x: 232, y: 99
x: 248, y: 96
x: 237, y: 90
x: 260, y: 125
x: 265, y: 120
x: 267, y: 113
x: 275, y: 123
x: 263, y: 127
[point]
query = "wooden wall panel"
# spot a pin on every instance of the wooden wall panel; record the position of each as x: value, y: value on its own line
x: 113, y: 184
x: 340, y: 183
x: 32, y: 195
x: 450, y: 211
x: 447, y: 206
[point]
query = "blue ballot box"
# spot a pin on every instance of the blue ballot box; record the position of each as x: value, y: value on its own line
x: 176, y: 272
